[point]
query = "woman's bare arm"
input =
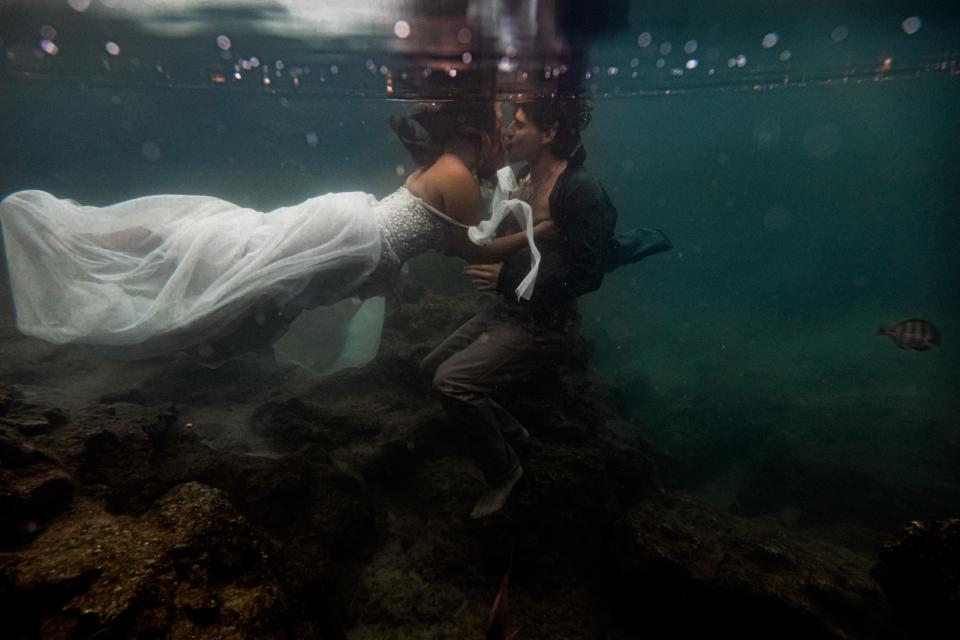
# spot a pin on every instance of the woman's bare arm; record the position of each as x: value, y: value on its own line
x: 459, y: 193
x: 500, y: 248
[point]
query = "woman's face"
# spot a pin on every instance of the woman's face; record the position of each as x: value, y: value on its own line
x: 494, y: 156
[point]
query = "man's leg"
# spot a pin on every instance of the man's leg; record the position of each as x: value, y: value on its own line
x: 456, y: 341
x: 503, y: 354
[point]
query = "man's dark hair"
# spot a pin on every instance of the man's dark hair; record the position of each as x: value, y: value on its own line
x: 570, y: 116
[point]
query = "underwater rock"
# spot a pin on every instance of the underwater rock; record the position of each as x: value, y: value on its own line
x: 135, y: 396
x: 294, y: 423
x: 33, y: 488
x: 744, y: 577
x: 919, y: 571
x: 190, y: 567
x: 348, y: 511
x: 290, y: 421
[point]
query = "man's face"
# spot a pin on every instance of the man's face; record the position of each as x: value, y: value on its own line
x: 522, y: 139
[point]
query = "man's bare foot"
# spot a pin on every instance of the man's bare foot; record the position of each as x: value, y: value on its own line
x: 494, y: 498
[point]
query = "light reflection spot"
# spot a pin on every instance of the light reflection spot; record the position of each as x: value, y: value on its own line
x: 112, y: 48
x: 911, y: 25
x: 464, y: 36
x: 690, y: 46
x: 224, y: 42
x: 644, y: 39
x: 49, y: 47
x: 401, y: 29
x: 312, y: 138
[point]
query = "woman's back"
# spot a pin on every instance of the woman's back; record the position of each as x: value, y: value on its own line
x: 409, y: 226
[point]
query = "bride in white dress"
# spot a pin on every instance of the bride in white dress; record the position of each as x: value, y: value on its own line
x: 165, y: 273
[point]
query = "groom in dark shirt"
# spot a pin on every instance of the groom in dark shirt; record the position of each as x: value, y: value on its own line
x: 514, y: 340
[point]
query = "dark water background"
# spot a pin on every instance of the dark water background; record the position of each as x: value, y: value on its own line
x: 803, y: 216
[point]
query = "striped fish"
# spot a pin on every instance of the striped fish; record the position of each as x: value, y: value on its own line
x: 915, y: 334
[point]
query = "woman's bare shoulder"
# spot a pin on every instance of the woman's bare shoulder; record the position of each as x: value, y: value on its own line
x: 449, y: 185
x: 450, y: 166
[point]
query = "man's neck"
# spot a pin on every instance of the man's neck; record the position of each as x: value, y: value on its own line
x: 544, y: 166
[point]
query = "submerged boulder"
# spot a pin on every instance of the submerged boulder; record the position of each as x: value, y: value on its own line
x: 189, y: 567
x: 919, y: 571
x: 740, y: 577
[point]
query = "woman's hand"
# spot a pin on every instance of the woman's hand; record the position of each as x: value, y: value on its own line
x: 546, y: 229
x: 484, y: 276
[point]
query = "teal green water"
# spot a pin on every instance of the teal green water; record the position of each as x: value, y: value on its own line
x: 803, y: 214
x: 749, y: 350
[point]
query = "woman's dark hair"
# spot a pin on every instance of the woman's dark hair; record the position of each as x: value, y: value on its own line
x: 427, y: 129
x: 570, y: 116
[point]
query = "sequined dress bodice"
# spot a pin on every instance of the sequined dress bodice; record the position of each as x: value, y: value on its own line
x: 408, y: 226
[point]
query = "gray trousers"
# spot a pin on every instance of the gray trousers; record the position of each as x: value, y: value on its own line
x: 489, y: 353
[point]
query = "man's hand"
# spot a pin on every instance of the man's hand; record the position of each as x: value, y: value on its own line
x: 484, y: 276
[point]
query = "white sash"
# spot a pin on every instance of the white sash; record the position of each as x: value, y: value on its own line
x: 483, y: 233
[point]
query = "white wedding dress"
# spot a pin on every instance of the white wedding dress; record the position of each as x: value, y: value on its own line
x: 165, y: 273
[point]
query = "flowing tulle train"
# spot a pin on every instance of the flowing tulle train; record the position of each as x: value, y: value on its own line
x: 164, y: 273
